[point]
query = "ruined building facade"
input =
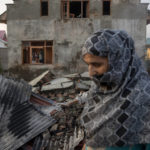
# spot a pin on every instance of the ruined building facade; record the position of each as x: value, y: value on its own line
x: 53, y: 31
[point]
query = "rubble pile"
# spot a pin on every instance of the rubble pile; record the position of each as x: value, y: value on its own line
x: 66, y: 133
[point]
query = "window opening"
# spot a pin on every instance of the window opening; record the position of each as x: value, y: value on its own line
x: 85, y: 9
x: 44, y: 8
x: 106, y: 7
x: 75, y: 9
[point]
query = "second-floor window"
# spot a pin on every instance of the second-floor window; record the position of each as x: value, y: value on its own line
x: 75, y: 9
x: 106, y: 7
x: 44, y: 7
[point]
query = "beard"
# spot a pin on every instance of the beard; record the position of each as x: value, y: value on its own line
x: 97, y: 79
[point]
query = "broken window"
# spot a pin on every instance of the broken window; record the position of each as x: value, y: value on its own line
x: 37, y: 52
x: 44, y: 7
x: 75, y: 8
x: 106, y: 7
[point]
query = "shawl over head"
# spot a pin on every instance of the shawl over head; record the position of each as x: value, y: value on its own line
x: 121, y: 115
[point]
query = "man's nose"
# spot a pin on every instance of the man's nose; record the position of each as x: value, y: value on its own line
x: 92, y: 71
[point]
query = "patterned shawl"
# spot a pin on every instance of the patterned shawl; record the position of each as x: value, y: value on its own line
x: 119, y: 115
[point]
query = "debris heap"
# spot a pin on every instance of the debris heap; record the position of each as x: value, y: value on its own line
x: 66, y: 133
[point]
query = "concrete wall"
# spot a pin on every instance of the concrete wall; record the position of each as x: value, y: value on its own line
x: 4, y: 58
x: 25, y: 23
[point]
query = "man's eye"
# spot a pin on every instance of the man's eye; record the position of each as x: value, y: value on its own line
x: 97, y: 64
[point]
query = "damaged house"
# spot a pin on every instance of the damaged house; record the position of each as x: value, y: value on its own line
x: 52, y: 32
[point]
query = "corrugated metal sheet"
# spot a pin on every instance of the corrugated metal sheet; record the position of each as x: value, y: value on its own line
x: 20, y: 120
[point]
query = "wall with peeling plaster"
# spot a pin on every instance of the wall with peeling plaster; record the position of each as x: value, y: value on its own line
x: 25, y: 23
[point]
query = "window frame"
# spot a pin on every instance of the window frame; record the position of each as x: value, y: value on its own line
x: 44, y: 47
x: 68, y: 8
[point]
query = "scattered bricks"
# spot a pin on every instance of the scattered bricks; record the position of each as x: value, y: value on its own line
x: 54, y: 128
x: 71, y: 96
x: 53, y: 112
x: 62, y: 120
x: 82, y: 86
x: 72, y: 91
x: 35, y: 89
x: 81, y: 91
x: 87, y: 82
x: 59, y: 95
x: 46, y: 134
x: 69, y: 123
x: 60, y: 99
x: 59, y: 133
x: 65, y: 94
x: 63, y: 90
x: 52, y: 95
x: 61, y: 127
x: 45, y: 79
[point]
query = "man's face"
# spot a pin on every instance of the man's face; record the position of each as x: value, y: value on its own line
x: 96, y: 65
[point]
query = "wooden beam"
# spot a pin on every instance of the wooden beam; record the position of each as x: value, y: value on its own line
x: 68, y: 9
x: 30, y: 55
x: 44, y: 52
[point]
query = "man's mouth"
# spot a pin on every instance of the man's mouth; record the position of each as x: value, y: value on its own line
x: 98, y: 77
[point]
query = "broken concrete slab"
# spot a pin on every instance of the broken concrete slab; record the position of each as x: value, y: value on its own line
x: 60, y: 80
x: 82, y: 86
x: 75, y: 75
x: 35, y: 89
x: 60, y: 83
x: 85, y: 75
x: 36, y: 80
x: 87, y: 82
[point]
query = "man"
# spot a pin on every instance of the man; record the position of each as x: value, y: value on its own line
x: 117, y: 106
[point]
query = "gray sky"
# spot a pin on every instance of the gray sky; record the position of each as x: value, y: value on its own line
x: 3, y: 6
x: 2, y: 9
x: 145, y: 1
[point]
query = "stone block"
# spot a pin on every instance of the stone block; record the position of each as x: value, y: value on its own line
x: 60, y: 83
